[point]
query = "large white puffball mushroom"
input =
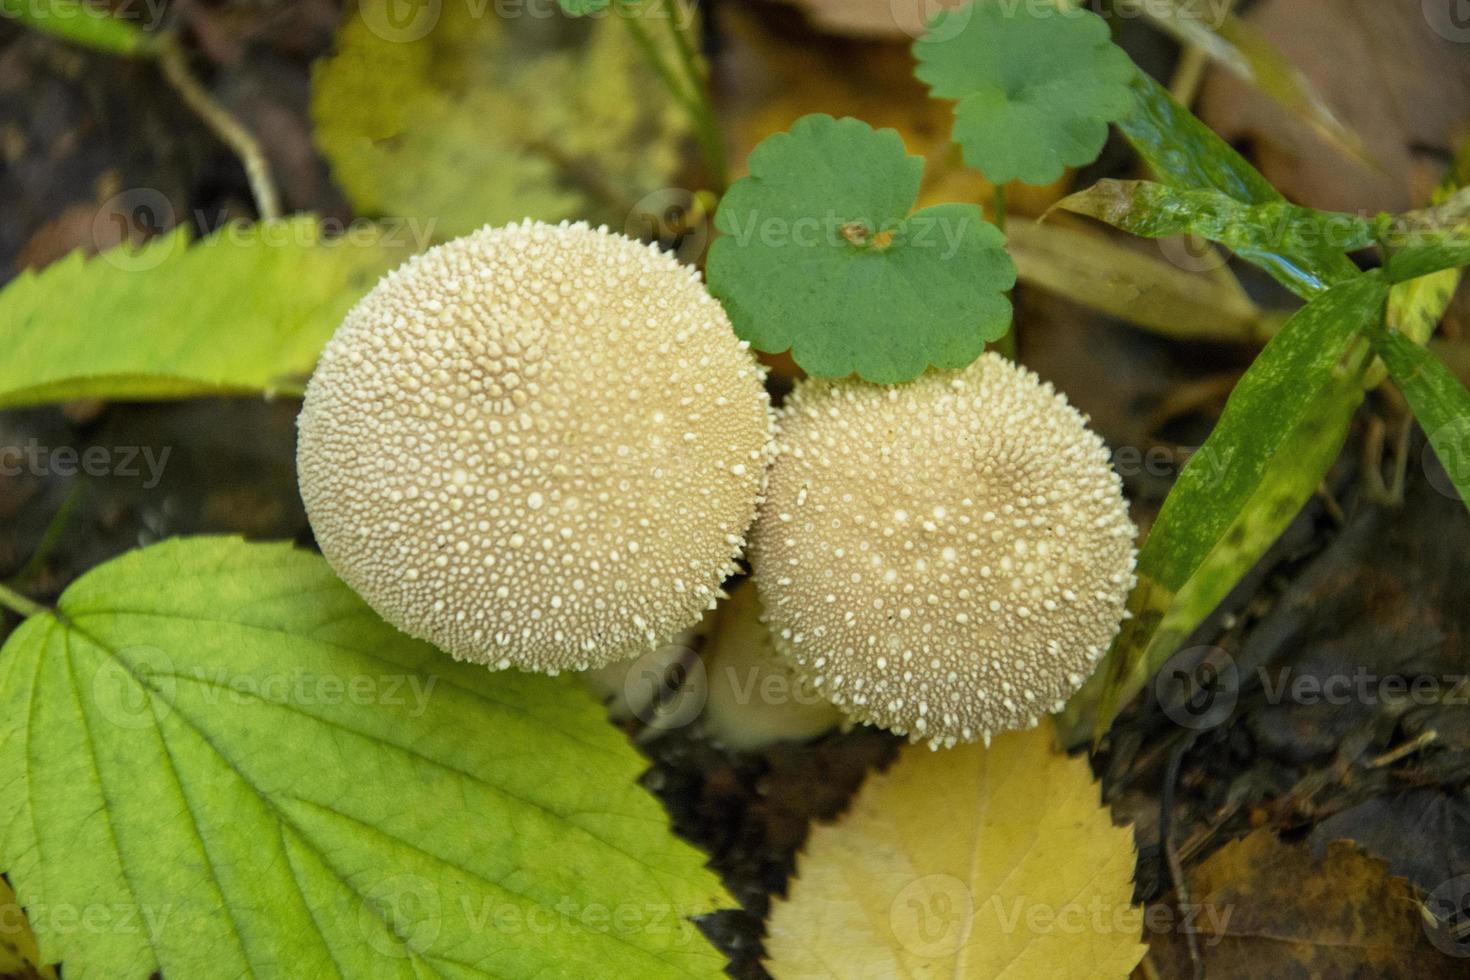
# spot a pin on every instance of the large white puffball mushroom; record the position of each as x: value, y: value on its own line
x: 536, y: 445
x: 947, y: 558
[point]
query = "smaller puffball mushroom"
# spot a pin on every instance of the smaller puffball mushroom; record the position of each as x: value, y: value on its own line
x: 536, y: 445
x: 756, y: 698
x: 947, y: 558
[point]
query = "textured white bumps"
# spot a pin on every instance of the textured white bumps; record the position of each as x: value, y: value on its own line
x: 536, y: 445
x: 946, y: 558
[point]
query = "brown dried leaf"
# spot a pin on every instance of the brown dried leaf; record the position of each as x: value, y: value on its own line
x: 1266, y: 910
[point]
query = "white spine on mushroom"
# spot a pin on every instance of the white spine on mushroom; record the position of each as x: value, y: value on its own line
x: 945, y: 559
x: 536, y: 445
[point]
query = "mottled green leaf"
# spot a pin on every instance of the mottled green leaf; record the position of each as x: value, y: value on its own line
x: 1183, y: 152
x: 247, y: 773
x: 1035, y: 86
x: 1416, y: 306
x: 1278, y: 434
x: 1440, y: 402
x: 581, y: 8
x: 82, y: 22
x: 1151, y: 210
x: 820, y: 254
x: 479, y: 116
x: 243, y: 311
x: 1425, y: 242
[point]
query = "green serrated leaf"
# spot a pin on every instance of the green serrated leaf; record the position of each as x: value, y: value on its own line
x: 476, y: 116
x: 1184, y: 152
x: 820, y: 254
x: 1438, y: 399
x: 1149, y: 210
x: 1035, y: 86
x: 266, y: 780
x: 88, y: 24
x: 1234, y: 496
x: 244, y: 311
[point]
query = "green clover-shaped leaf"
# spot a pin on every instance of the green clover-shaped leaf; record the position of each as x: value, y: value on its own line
x: 1036, y: 86
x: 820, y: 254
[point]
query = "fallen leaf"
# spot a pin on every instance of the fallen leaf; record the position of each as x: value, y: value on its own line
x: 1261, y: 908
x: 968, y: 862
x: 19, y: 957
x: 243, y: 311
x: 476, y: 118
x: 1421, y: 84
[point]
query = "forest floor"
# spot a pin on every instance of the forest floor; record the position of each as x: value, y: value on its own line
x: 1367, y: 594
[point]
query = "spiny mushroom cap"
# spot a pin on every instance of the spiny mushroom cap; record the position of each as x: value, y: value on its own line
x: 535, y: 445
x: 947, y: 558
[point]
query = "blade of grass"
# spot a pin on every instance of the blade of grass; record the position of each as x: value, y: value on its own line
x: 1183, y: 152
x: 1438, y: 399
x: 1232, y: 498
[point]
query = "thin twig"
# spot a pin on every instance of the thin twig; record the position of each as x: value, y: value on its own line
x: 1171, y: 856
x: 1408, y: 748
x: 175, y: 65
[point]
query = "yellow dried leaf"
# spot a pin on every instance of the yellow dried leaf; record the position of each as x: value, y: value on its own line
x: 968, y: 863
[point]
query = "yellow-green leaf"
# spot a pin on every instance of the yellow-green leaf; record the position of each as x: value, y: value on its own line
x: 971, y: 863
x: 463, y: 116
x: 82, y: 22
x: 243, y: 311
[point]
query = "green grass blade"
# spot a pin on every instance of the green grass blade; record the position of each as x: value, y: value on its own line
x: 1239, y: 490
x: 90, y: 25
x: 1184, y: 152
x: 1440, y: 402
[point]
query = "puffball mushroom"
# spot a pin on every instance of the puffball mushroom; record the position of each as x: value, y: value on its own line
x: 947, y: 558
x: 536, y: 445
